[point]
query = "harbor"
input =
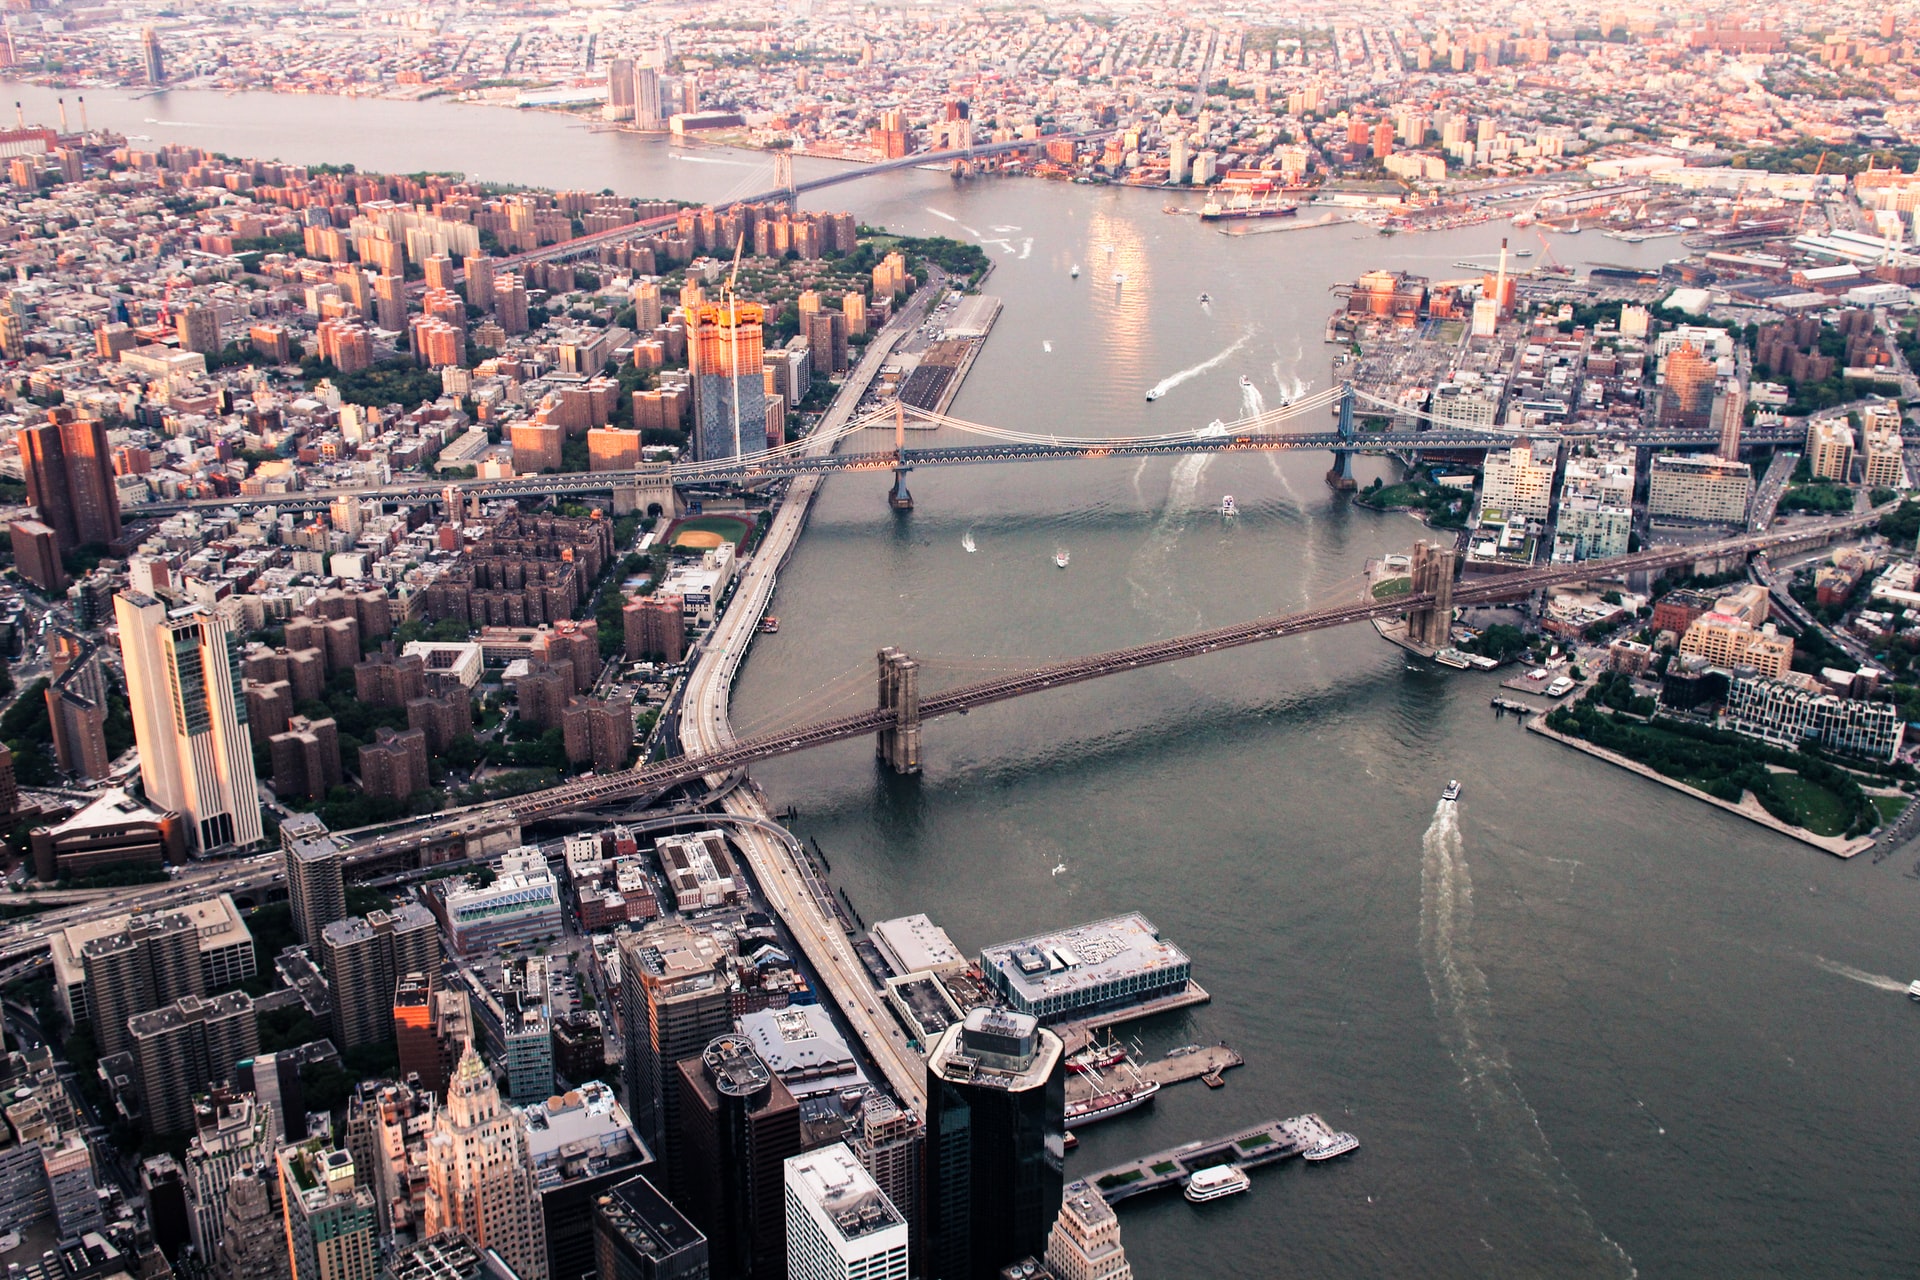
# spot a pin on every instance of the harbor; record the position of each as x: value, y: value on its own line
x: 1266, y: 1143
x: 1102, y: 1093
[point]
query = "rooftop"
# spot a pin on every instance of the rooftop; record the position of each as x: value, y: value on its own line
x: 1056, y: 964
x: 832, y: 1179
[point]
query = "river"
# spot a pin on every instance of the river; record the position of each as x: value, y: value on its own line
x: 1583, y: 1026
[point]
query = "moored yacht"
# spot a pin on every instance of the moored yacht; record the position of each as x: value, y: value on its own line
x: 1216, y: 1183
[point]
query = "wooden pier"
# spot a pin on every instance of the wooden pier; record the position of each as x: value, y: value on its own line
x: 1263, y: 1144
x: 1205, y: 1063
x: 1078, y: 1035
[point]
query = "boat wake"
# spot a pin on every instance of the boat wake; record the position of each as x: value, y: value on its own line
x: 1168, y: 383
x: 731, y: 164
x: 939, y: 213
x: 1026, y: 248
x: 1252, y: 402
x: 1878, y: 981
x: 966, y: 540
x: 1155, y: 585
x: 1463, y: 1008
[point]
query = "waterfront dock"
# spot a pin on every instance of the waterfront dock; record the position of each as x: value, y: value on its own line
x: 1519, y: 708
x: 1078, y: 1035
x: 1207, y: 1063
x: 1267, y: 1143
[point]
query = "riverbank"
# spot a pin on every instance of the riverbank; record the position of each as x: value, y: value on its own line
x: 1748, y: 807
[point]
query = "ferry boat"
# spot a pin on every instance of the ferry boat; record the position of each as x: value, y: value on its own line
x: 1452, y: 792
x: 1217, y: 1183
x: 1337, y: 1144
x: 1228, y: 507
x: 1452, y: 658
x: 1243, y: 206
x: 1109, y: 1103
x: 1060, y: 558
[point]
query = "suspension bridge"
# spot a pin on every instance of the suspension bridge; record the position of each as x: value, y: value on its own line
x: 901, y: 709
x: 1292, y: 426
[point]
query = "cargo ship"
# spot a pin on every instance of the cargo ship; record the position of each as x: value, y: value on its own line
x: 1243, y: 206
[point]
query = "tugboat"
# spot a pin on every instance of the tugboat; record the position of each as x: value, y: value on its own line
x: 1228, y: 507
x: 1452, y: 792
x: 1216, y: 1183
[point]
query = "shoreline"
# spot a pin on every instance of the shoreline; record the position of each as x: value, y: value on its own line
x: 1748, y: 808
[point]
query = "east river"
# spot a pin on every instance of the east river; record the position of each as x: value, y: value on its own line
x: 1587, y: 1028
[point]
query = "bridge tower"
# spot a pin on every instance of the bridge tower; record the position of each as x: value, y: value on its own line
x: 898, y: 498
x: 898, y: 745
x: 1432, y: 576
x: 645, y: 489
x: 1340, y: 477
x: 783, y: 174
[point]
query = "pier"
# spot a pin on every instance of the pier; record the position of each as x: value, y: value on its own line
x: 1263, y: 1144
x: 1078, y: 1035
x: 1205, y: 1063
x: 1504, y: 705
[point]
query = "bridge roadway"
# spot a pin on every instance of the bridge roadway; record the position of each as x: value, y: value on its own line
x: 823, y: 463
x: 593, y: 240
x: 652, y: 779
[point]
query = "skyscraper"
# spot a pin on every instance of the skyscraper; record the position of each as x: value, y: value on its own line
x: 328, y: 1214
x: 479, y: 1177
x: 151, y: 962
x: 150, y: 54
x: 619, y: 89
x: 891, y: 1147
x: 996, y: 1137
x: 182, y: 680
x: 673, y: 1001
x: 738, y: 1124
x: 840, y: 1225
x: 637, y: 1235
x: 234, y: 1133
x: 253, y: 1241
x: 69, y: 475
x: 729, y: 387
x: 364, y: 958
x: 316, y: 887
x: 646, y: 97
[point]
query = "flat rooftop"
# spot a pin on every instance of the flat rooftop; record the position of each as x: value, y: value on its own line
x: 1053, y: 966
x: 912, y: 943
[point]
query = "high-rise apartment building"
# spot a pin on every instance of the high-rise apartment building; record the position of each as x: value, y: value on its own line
x: 431, y: 1025
x: 36, y: 555
x: 1830, y: 448
x: 890, y: 1145
x: 840, y: 1225
x: 328, y: 1214
x: 725, y: 352
x: 69, y: 474
x: 183, y: 1049
x: 151, y: 56
x: 1687, y: 396
x: 673, y: 997
x: 316, y: 886
x: 619, y: 89
x: 364, y: 958
x: 638, y: 1235
x: 182, y: 684
x: 996, y: 1133
x: 1085, y: 1241
x: 1518, y: 482
x: 647, y: 114
x: 1702, y: 490
x: 198, y: 329
x: 738, y: 1125
x: 151, y: 962
x: 479, y: 1178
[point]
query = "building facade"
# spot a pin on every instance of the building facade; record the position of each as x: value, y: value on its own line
x: 840, y: 1225
x: 479, y: 1178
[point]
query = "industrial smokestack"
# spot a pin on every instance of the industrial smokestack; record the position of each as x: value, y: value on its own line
x: 83, y: 117
x: 19, y: 116
x: 1500, y: 278
x: 63, y: 117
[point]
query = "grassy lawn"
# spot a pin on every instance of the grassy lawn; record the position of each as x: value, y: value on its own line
x: 1165, y: 1167
x: 1112, y: 1180
x: 1890, y: 807
x: 1814, y: 807
x: 1392, y: 587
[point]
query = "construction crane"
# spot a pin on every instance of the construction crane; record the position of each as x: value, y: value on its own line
x: 1802, y: 221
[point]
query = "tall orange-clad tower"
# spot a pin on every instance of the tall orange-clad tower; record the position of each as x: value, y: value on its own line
x: 725, y: 351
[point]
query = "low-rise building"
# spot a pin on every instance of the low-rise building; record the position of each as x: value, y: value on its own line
x: 520, y: 906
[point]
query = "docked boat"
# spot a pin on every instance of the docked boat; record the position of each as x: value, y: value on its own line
x: 1217, y: 1183
x: 1337, y: 1144
x: 769, y: 624
x: 1060, y: 558
x: 1112, y: 1102
x: 1452, y: 658
x: 1097, y: 1057
x: 1452, y: 792
x: 1244, y: 206
x: 1228, y: 507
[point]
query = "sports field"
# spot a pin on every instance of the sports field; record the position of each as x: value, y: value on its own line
x: 699, y: 533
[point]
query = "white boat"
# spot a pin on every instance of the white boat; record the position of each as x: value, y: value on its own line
x: 1452, y: 792
x: 966, y: 540
x: 1228, y: 507
x: 1246, y: 382
x: 1216, y: 1183
x: 1523, y: 253
x: 1075, y: 273
x: 1060, y: 558
x: 1153, y: 395
x: 1913, y: 990
x: 1452, y: 658
x: 1119, y: 277
x: 1336, y: 1144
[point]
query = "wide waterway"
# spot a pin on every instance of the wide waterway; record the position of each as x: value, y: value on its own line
x: 1583, y: 1026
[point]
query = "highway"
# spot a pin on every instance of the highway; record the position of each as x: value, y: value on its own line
x: 705, y: 729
